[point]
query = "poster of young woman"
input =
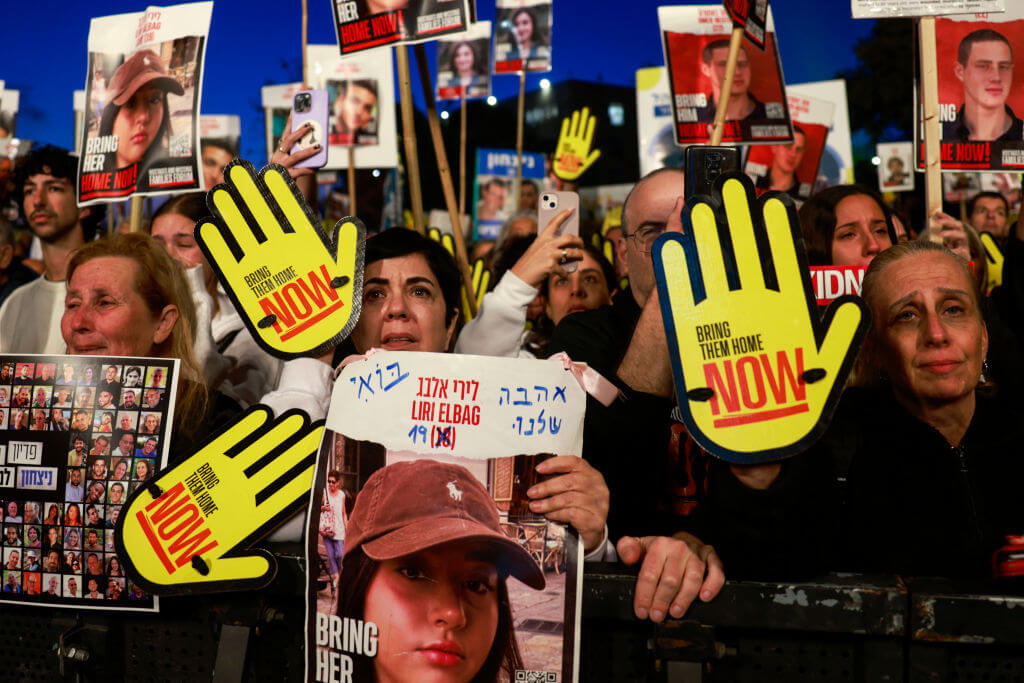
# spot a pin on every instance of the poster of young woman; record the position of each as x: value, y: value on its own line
x: 792, y: 167
x: 696, y: 47
x: 464, y: 64
x: 143, y: 85
x: 221, y: 136
x: 896, y: 166
x: 418, y: 520
x: 78, y: 434
x: 522, y: 36
x: 366, y: 24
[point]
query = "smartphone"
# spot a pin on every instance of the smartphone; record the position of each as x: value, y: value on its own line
x: 704, y: 164
x: 551, y: 204
x: 311, y: 106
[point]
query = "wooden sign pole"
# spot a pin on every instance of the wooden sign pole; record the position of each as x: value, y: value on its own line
x: 730, y: 72
x: 447, y: 187
x: 462, y: 153
x: 412, y: 160
x: 930, y: 108
x: 519, y: 138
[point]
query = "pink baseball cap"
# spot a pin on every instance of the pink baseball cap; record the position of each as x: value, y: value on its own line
x: 141, y: 68
x: 410, y: 506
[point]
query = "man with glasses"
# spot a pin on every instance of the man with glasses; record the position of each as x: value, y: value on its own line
x: 629, y: 441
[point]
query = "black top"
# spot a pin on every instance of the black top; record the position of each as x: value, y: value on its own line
x: 957, y: 129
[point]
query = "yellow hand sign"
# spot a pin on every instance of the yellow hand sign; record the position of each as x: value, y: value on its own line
x: 298, y: 290
x: 481, y: 281
x: 444, y: 239
x: 757, y: 374
x: 995, y: 258
x: 188, y: 530
x: 572, y: 154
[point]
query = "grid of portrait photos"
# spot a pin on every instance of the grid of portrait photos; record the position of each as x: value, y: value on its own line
x: 78, y: 434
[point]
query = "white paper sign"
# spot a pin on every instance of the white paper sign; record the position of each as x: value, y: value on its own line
x: 24, y: 453
x: 884, y: 9
x: 468, y: 406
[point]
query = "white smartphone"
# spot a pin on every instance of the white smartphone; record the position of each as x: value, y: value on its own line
x: 551, y: 204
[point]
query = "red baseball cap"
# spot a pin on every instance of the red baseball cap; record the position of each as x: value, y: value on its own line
x: 143, y: 67
x: 410, y: 506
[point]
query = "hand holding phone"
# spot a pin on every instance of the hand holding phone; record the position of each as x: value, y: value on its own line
x: 310, y: 106
x: 552, y: 204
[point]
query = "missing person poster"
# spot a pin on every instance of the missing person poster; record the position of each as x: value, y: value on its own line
x: 981, y: 95
x: 792, y: 167
x: 886, y: 9
x: 9, y: 100
x: 522, y: 36
x: 494, y: 187
x: 654, y: 121
x: 464, y: 64
x: 221, y: 138
x: 77, y: 435
x: 366, y: 24
x: 142, y: 91
x: 836, y: 167
x: 419, y: 515
x: 962, y: 186
x: 696, y: 46
x: 895, y: 167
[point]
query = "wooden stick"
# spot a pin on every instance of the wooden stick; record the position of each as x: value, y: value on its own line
x: 730, y: 72
x: 519, y: 138
x: 111, y: 218
x: 930, y: 107
x: 352, y: 180
x: 462, y: 154
x: 135, y: 217
x: 412, y: 159
x: 268, y: 128
x: 461, y: 257
x: 305, y: 40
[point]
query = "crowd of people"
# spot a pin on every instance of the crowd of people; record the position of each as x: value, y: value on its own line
x: 914, y: 474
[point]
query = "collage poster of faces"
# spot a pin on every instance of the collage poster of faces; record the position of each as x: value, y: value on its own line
x: 425, y: 561
x: 142, y: 97
x: 696, y: 47
x: 981, y: 94
x: 463, y: 64
x: 78, y: 434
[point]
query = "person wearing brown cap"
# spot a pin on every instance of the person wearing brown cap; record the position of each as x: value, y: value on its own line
x: 427, y: 563
x: 137, y: 111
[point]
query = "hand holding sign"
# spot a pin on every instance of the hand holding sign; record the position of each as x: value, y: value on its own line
x: 188, y: 529
x: 297, y: 289
x: 757, y: 375
x: 572, y: 154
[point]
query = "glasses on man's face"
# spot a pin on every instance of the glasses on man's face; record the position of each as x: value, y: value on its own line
x: 332, y: 481
x: 645, y: 237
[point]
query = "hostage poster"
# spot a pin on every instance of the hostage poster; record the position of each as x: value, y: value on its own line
x: 221, y: 139
x: 464, y: 64
x: 366, y: 24
x: 695, y: 40
x: 522, y: 36
x: 494, y: 187
x: 142, y: 91
x: 423, y: 556
x: 981, y: 95
x: 78, y: 434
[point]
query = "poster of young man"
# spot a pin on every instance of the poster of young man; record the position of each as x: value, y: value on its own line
x: 143, y: 85
x: 221, y: 137
x: 981, y: 95
x: 464, y: 64
x: 493, y: 189
x: 792, y: 167
x: 895, y: 168
x: 67, y: 464
x: 696, y: 47
x: 522, y: 36
x: 366, y: 24
x: 654, y: 121
x: 836, y: 167
x: 415, y: 516
x: 9, y: 100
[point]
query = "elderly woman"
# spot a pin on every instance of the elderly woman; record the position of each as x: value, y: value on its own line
x: 127, y: 297
x: 912, y: 475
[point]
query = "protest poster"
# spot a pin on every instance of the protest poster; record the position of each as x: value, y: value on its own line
x: 78, y: 105
x: 464, y: 64
x: 78, y: 434
x: 494, y: 201
x: 655, y: 126
x: 522, y: 36
x: 896, y: 166
x: 220, y: 138
x: 886, y: 9
x: 832, y: 282
x: 9, y: 100
x: 836, y: 167
x: 424, y: 456
x: 961, y: 186
x: 793, y: 167
x: 979, y: 92
x: 366, y: 24
x: 757, y: 369
x: 142, y: 91
x: 695, y: 41
x: 752, y: 15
